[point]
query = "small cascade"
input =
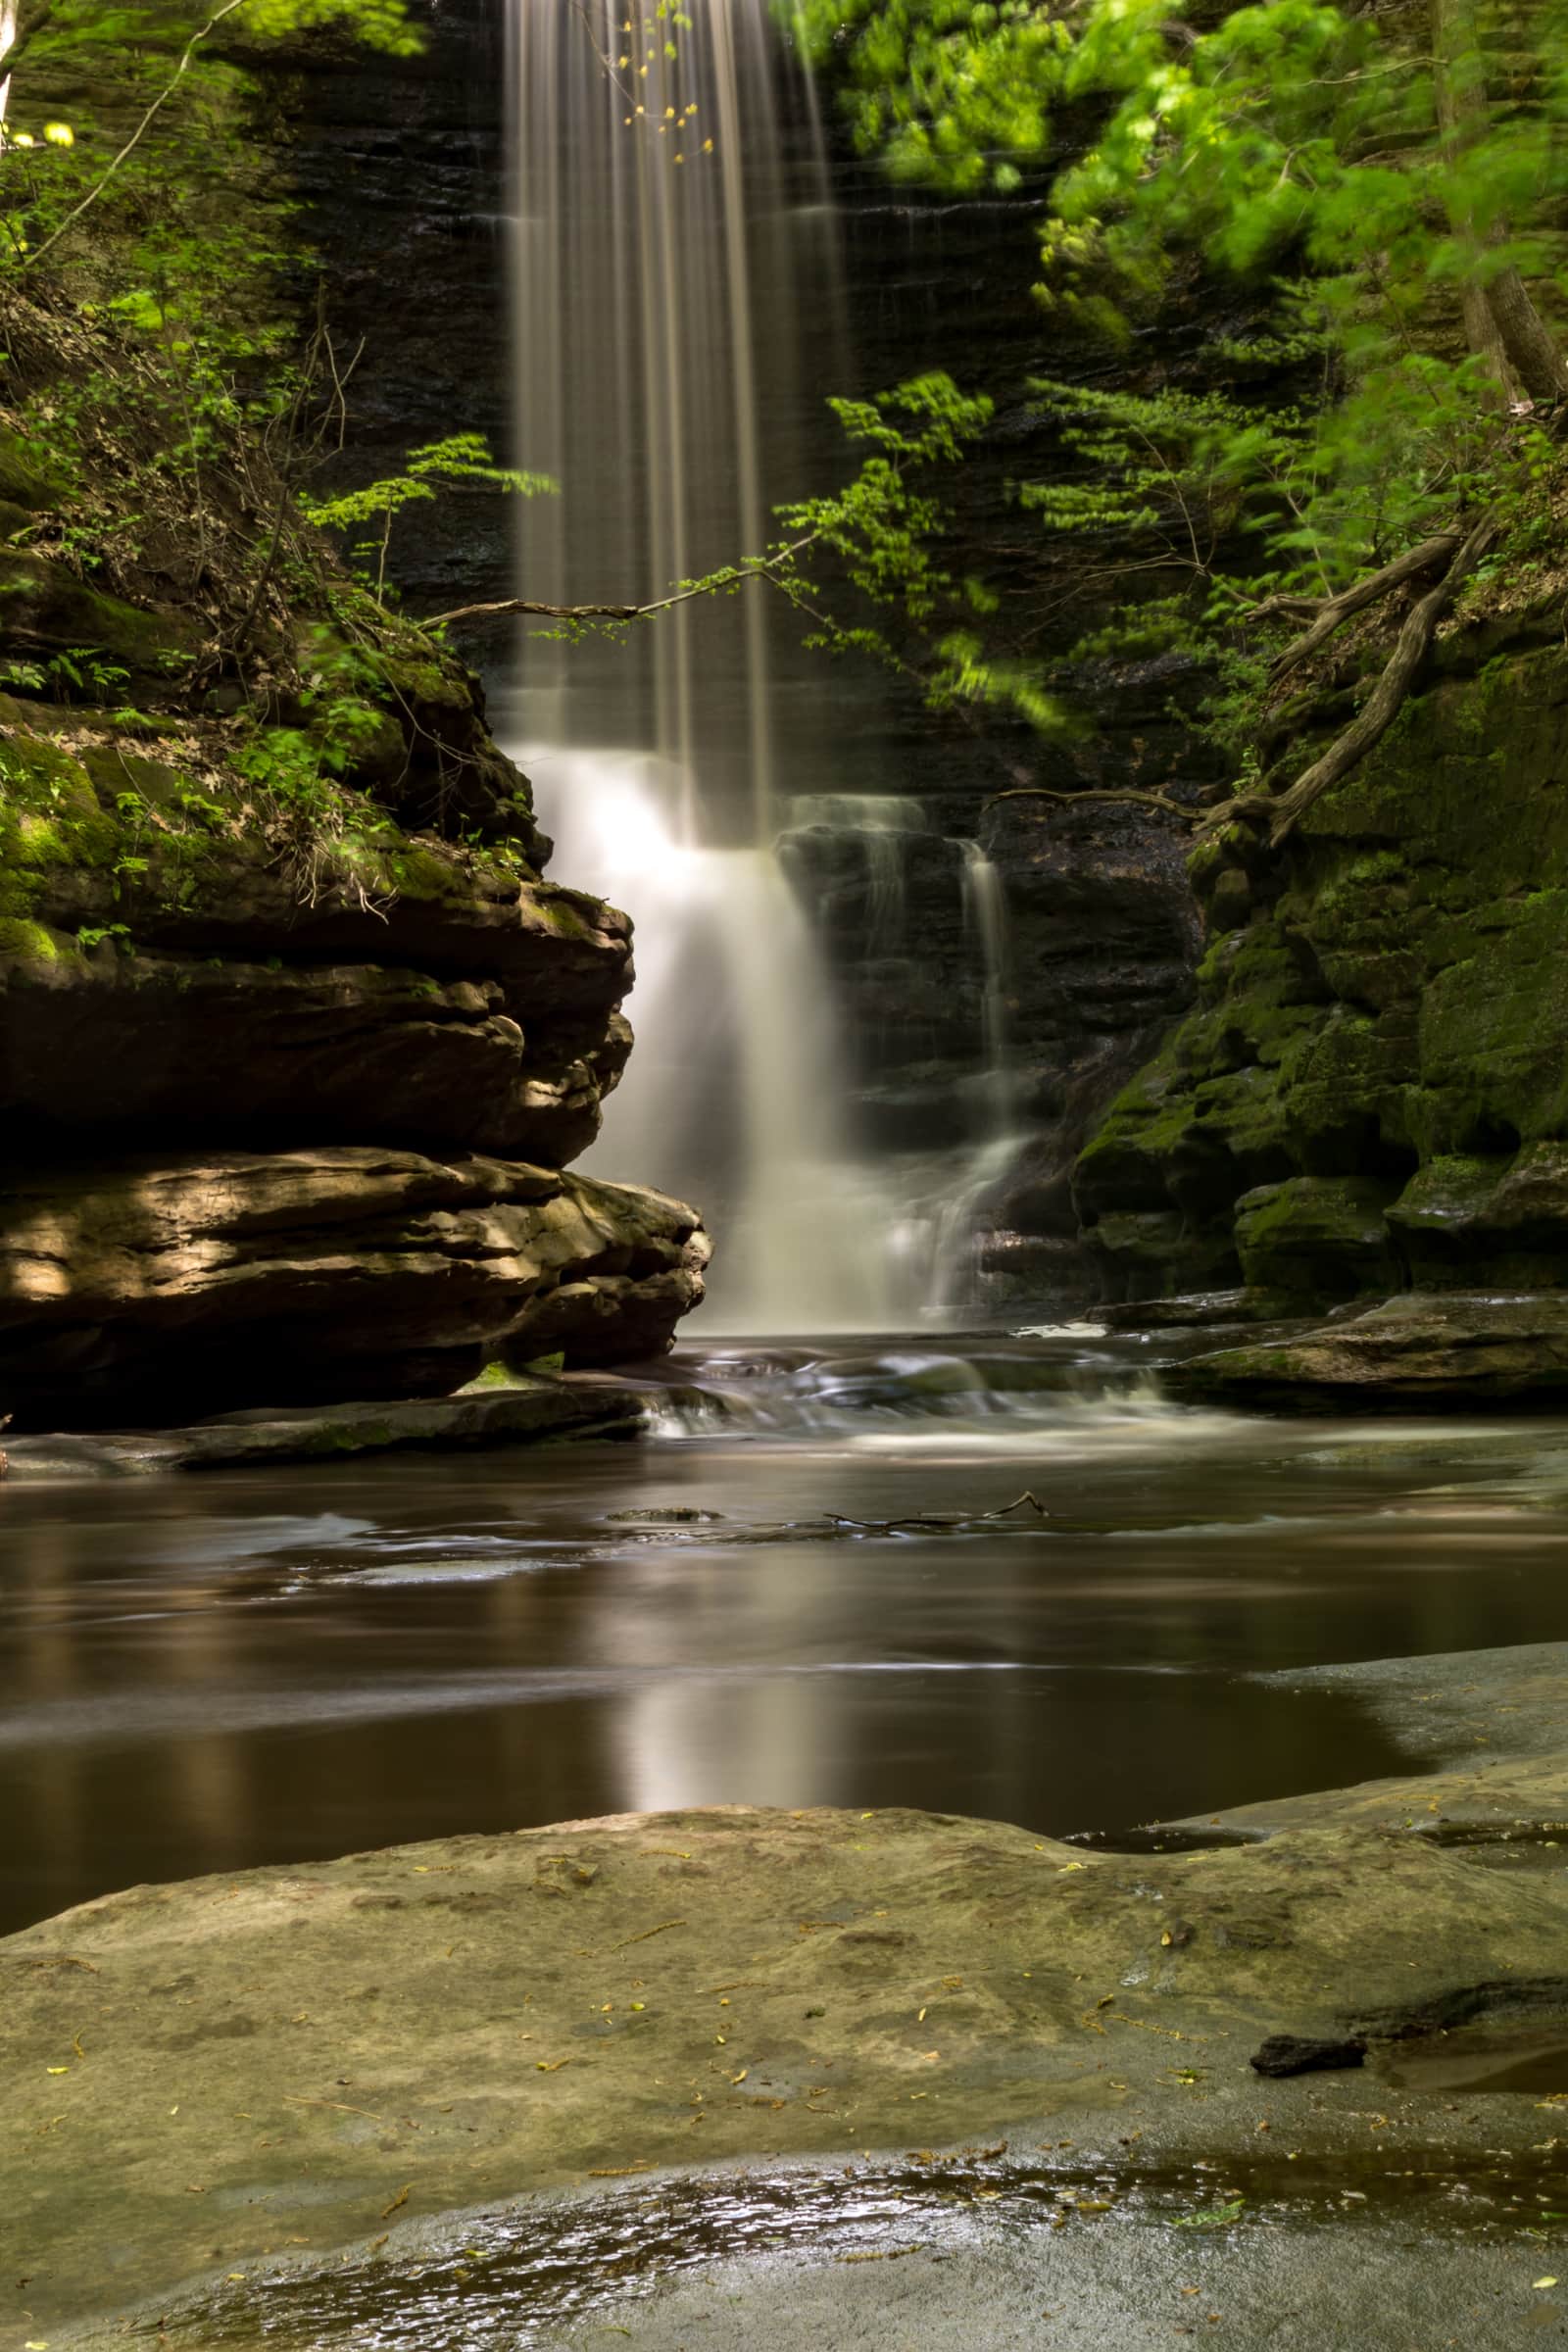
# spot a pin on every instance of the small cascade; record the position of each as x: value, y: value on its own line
x: 985, y: 924
x: 734, y: 1094
x: 956, y: 1267
x: 881, y: 824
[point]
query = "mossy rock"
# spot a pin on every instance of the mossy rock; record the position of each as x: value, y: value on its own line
x: 28, y: 480
x: 1316, y: 1239
x: 44, y: 608
x: 1344, y: 1097
x: 1504, y: 1221
x: 1492, y: 1032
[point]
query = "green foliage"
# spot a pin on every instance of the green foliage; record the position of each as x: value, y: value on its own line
x: 886, y: 528
x: 460, y: 457
x: 1301, y: 150
x: 955, y: 92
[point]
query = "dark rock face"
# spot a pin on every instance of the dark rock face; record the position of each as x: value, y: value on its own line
x: 400, y: 166
x: 150, y: 1290
x: 1370, y: 1091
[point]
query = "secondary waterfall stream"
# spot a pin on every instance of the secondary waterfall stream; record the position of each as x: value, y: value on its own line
x: 678, y: 294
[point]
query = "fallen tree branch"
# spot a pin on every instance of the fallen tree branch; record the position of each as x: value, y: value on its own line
x: 1408, y: 654
x: 1143, y: 799
x: 948, y: 1521
x: 1332, y: 613
x: 734, y: 575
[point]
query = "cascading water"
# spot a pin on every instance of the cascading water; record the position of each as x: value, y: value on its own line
x: 676, y: 298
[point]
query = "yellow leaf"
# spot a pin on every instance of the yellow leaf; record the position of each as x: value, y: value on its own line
x: 56, y: 2070
x: 1542, y: 2282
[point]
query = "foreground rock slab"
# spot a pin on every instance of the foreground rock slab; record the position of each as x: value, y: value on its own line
x: 1421, y: 1349
x: 291, y: 2060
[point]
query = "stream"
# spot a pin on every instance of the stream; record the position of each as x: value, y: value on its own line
x: 206, y: 1673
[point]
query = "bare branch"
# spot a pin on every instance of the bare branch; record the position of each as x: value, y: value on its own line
x: 733, y: 576
x: 1144, y: 800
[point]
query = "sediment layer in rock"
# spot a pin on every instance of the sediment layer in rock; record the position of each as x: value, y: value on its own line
x: 1425, y: 1349
x: 156, y: 1290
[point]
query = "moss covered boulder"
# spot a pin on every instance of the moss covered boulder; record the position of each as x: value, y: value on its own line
x: 1373, y: 1085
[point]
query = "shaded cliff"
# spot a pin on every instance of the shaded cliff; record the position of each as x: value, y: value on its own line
x: 1370, y: 1093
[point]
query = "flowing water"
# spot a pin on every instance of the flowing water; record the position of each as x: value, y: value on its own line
x: 678, y: 322
x: 204, y: 1673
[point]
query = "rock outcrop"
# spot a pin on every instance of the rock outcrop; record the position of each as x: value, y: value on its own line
x: 1371, y: 1093
x: 285, y: 1108
x: 156, y: 1289
x: 1062, y: 1989
x: 1417, y: 1350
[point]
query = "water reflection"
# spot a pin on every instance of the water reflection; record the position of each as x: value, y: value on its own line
x: 198, y: 1674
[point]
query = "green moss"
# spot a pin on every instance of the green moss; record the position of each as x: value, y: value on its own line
x: 1315, y: 1239
x: 25, y: 942
x: 28, y: 477
x: 44, y: 606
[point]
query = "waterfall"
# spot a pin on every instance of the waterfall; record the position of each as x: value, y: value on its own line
x: 985, y: 921
x: 676, y: 307
x: 671, y: 208
x: 734, y: 1094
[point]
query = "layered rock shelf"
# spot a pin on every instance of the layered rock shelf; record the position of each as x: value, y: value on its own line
x: 286, y: 1119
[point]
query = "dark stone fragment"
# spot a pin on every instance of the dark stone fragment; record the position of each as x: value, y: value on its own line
x: 1300, y: 2054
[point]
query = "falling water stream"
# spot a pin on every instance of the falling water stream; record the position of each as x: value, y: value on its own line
x: 676, y: 292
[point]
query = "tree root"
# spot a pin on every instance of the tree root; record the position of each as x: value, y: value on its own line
x: 1410, y: 652
x: 1332, y: 611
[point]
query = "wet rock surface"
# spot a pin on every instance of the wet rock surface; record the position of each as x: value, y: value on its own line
x: 524, y: 1410
x: 398, y: 2033
x: 1423, y: 1350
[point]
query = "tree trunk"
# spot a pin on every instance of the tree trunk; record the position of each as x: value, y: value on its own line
x: 1502, y: 325
x: 1529, y: 342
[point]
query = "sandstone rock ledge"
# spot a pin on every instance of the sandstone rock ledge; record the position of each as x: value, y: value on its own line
x: 1422, y: 1350
x: 282, y: 2059
x: 145, y: 1292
